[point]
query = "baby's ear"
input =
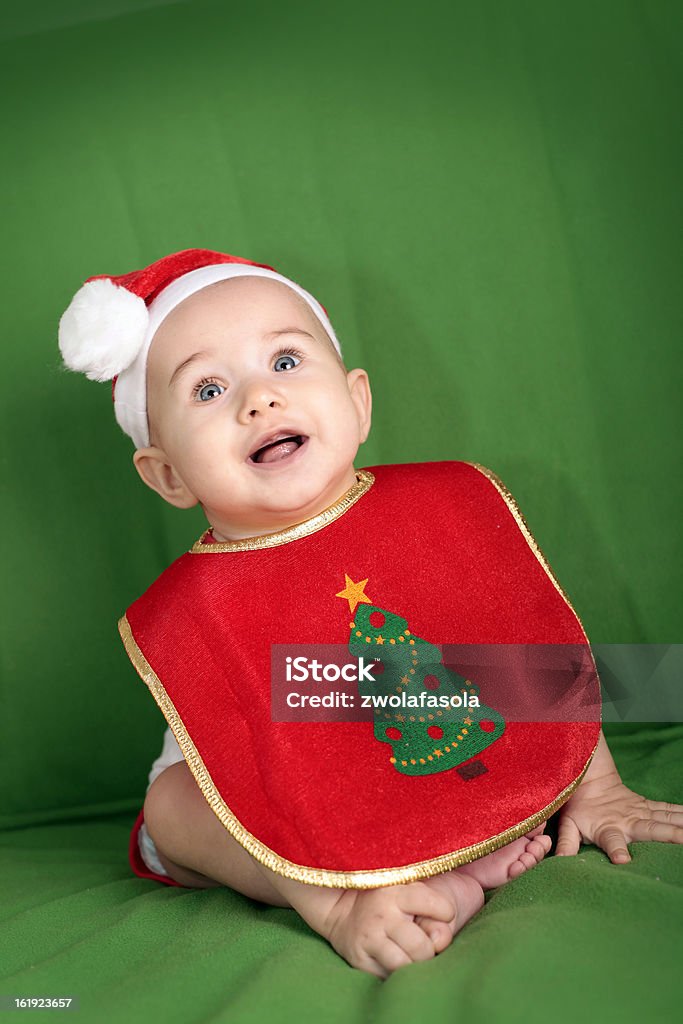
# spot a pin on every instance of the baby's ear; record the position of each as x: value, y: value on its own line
x: 361, y: 396
x: 157, y: 472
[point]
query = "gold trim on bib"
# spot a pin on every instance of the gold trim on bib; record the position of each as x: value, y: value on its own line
x: 526, y: 532
x: 364, y: 481
x: 531, y: 541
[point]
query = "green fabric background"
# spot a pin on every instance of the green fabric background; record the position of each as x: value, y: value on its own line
x: 486, y: 197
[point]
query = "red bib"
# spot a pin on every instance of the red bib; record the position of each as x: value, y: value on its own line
x: 441, y: 770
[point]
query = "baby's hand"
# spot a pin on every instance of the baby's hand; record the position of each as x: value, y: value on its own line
x: 607, y: 813
x: 375, y: 929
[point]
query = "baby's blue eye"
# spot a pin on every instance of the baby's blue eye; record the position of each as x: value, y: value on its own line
x: 205, y: 392
x: 293, y: 360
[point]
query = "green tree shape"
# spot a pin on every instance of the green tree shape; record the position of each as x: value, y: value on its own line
x: 424, y: 740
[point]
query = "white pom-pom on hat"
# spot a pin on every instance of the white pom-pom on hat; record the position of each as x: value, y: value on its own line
x: 108, y: 328
x: 103, y: 329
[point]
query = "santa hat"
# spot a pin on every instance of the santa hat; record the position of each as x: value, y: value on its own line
x: 109, y: 325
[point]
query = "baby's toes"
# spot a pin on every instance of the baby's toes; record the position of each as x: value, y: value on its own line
x: 533, y: 854
x: 539, y: 847
x: 516, y: 869
x: 528, y: 860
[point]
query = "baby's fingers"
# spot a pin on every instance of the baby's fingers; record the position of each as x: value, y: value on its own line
x: 668, y: 808
x: 647, y: 830
x: 388, y: 956
x: 421, y: 900
x: 613, y: 841
x: 370, y: 966
x: 671, y: 815
x: 568, y: 838
x: 414, y: 942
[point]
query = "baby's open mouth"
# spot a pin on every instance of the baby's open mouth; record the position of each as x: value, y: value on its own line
x: 279, y: 449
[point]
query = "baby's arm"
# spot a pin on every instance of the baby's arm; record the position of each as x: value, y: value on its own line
x: 606, y: 812
x: 374, y: 929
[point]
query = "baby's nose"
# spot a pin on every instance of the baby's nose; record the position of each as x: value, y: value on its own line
x: 259, y: 396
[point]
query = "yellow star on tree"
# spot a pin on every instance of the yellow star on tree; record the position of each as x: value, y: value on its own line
x: 353, y: 592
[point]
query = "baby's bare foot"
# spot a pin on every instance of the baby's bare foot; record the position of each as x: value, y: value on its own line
x: 488, y: 872
x: 510, y: 861
x: 468, y: 898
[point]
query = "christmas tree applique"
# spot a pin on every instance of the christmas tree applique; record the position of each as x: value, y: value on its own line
x: 432, y: 733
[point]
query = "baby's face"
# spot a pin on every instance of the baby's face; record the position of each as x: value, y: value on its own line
x: 237, y: 366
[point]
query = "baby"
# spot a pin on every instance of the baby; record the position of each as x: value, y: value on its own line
x: 239, y: 400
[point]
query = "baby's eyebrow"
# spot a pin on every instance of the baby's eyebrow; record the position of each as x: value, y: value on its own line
x: 286, y: 330
x: 182, y: 366
x: 266, y: 337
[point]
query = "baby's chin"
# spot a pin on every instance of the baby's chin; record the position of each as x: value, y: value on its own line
x: 280, y: 516
x: 223, y: 533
